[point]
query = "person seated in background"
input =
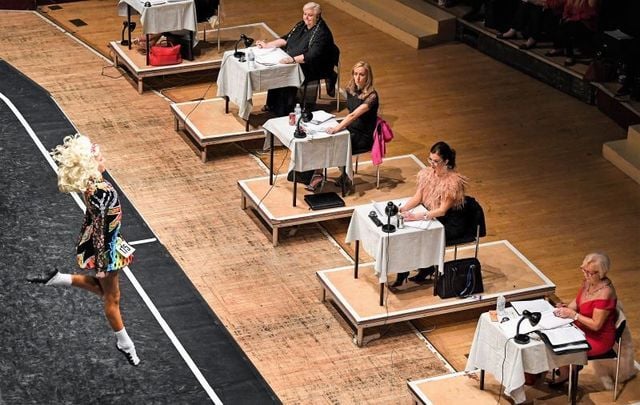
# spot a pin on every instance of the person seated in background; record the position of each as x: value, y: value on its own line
x: 577, y: 26
x: 309, y: 43
x: 362, y: 103
x: 441, y: 190
x: 532, y: 19
x: 594, y: 308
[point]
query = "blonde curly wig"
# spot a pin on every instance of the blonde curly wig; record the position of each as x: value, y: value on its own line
x: 77, y: 164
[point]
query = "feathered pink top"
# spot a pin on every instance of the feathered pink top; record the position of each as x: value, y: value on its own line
x: 434, y: 188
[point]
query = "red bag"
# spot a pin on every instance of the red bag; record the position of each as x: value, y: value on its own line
x: 166, y: 54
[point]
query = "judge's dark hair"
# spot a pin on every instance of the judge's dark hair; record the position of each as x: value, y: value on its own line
x: 446, y: 152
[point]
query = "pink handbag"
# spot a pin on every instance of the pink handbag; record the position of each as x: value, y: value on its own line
x: 167, y: 54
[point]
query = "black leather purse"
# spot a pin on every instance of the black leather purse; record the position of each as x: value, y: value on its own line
x: 461, y: 278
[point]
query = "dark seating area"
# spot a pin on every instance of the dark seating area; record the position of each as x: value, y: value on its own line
x: 596, y: 60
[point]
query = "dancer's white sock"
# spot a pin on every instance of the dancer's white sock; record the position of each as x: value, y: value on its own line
x: 60, y: 279
x: 124, y: 341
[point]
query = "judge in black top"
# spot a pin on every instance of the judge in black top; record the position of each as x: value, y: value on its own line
x: 362, y: 102
x: 309, y: 43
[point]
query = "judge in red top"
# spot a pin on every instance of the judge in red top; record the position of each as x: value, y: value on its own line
x: 594, y: 309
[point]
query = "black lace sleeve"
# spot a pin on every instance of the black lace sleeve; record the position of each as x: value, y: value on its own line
x: 371, y: 100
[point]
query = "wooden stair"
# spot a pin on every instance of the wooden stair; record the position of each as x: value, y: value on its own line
x: 414, y: 22
x: 625, y: 153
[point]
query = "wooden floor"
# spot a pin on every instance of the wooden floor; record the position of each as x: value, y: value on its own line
x: 533, y: 156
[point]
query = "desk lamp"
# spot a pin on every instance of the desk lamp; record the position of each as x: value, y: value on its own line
x: 305, y: 116
x: 391, y: 210
x: 247, y: 43
x: 132, y: 26
x: 534, y: 318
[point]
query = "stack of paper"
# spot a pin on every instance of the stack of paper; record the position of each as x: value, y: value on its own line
x: 564, y: 340
x: 320, y: 117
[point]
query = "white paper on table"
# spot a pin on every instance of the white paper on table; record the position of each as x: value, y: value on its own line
x: 538, y: 305
x: 268, y: 56
x: 550, y: 321
x: 565, y: 336
x: 320, y: 117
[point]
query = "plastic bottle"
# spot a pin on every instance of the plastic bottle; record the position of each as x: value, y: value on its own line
x: 250, y: 58
x: 297, y: 111
x: 500, y: 304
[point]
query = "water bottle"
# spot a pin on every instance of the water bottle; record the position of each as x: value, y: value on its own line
x: 250, y: 58
x: 500, y: 304
x: 297, y: 111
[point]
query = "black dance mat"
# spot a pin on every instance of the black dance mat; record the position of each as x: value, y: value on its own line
x: 56, y: 345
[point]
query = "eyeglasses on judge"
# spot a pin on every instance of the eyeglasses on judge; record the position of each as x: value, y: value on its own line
x: 434, y: 162
x: 589, y: 273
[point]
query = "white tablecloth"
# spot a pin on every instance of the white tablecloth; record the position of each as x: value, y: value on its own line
x: 238, y: 82
x: 404, y: 250
x: 317, y: 151
x: 163, y: 16
x: 487, y: 353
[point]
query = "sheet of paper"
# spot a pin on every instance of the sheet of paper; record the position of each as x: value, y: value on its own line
x: 320, y: 117
x: 564, y: 336
x: 538, y: 305
x: 268, y: 56
x: 550, y: 321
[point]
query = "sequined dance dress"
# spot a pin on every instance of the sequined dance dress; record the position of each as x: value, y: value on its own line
x: 100, y: 233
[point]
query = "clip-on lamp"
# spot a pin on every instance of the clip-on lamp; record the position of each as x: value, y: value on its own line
x: 305, y: 116
x: 125, y: 24
x: 247, y: 43
x: 534, y: 318
x: 391, y: 209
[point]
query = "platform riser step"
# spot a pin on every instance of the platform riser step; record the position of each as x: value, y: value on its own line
x: 633, y: 136
x: 400, y: 21
x: 624, y: 156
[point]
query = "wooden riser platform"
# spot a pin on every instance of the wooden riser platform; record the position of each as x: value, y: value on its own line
x: 210, y: 58
x: 505, y: 272
x: 464, y: 388
x: 625, y: 153
x: 274, y: 204
x: 206, y: 124
x: 414, y: 22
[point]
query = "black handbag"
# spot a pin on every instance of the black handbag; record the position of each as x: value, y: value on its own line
x: 461, y: 278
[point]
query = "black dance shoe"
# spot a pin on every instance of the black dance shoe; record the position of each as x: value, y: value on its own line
x: 423, y: 274
x: 43, y: 279
x: 131, y: 355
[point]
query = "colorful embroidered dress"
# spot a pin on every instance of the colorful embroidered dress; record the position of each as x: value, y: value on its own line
x: 601, y: 341
x: 96, y: 248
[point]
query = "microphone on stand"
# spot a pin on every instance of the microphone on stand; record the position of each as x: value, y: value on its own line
x: 391, y: 209
x: 305, y: 116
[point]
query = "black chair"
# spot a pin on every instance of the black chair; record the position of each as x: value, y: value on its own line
x: 327, y: 77
x: 206, y: 10
x: 474, y: 226
x: 621, y: 324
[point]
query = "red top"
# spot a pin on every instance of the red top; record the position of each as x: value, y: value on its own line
x: 601, y: 341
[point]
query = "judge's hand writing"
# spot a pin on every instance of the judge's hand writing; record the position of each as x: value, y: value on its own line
x: 261, y: 44
x: 332, y: 130
x: 564, y: 312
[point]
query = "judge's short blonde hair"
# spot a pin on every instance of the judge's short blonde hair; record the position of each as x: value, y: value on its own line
x: 312, y: 5
x: 77, y: 164
x: 600, y: 262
